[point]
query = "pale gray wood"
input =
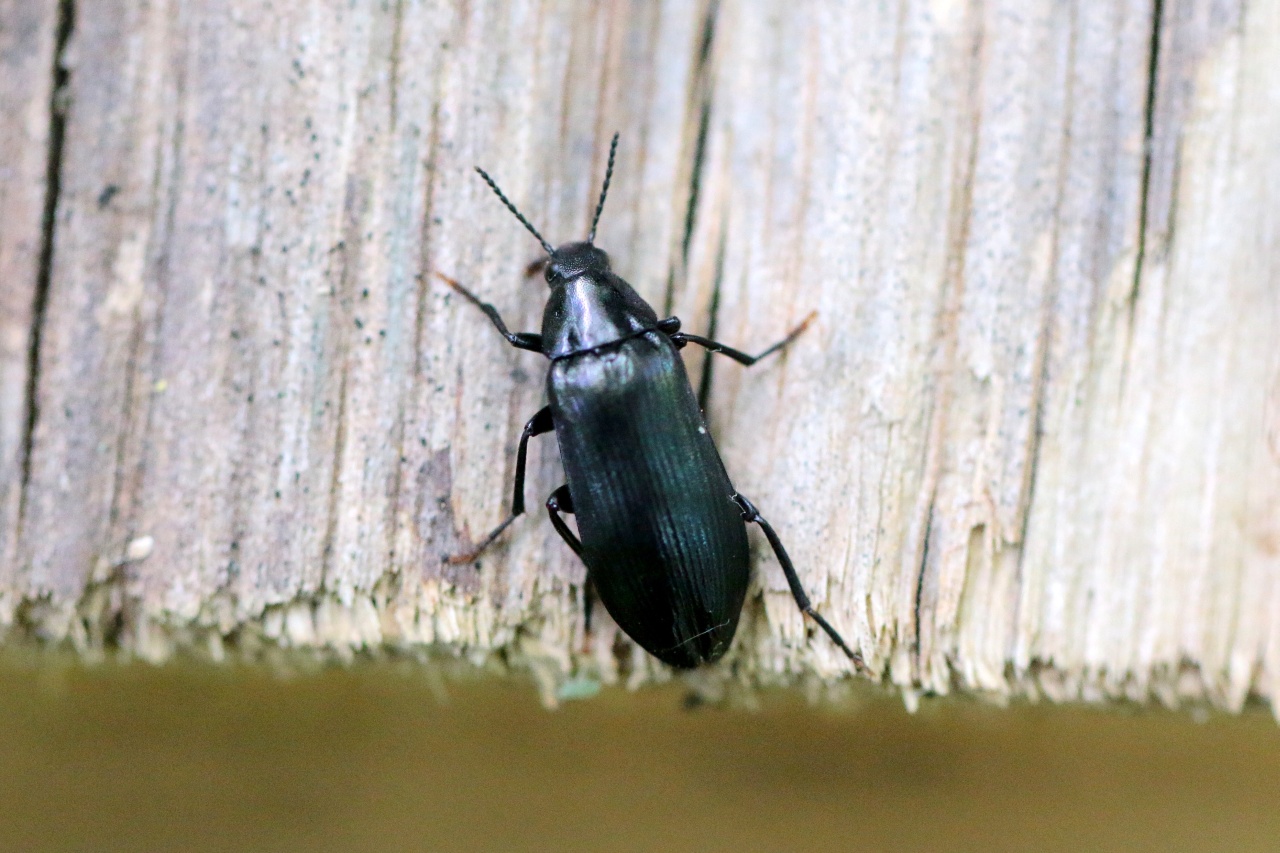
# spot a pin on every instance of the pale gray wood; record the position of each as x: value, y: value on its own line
x: 28, y: 35
x: 1029, y: 446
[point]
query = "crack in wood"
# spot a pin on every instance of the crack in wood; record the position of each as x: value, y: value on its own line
x: 1052, y: 288
x: 947, y: 340
x: 713, y: 320
x: 700, y: 146
x: 1148, y: 138
x: 701, y: 90
x: 1144, y: 191
x: 44, y: 273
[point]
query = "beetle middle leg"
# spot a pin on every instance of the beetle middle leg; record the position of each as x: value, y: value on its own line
x: 680, y: 339
x: 751, y: 514
x: 539, y: 424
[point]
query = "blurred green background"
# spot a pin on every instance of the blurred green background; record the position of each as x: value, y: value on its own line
x: 387, y: 757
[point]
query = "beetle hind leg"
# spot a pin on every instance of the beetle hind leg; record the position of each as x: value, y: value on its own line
x: 751, y: 514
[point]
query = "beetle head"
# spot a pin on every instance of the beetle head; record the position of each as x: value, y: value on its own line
x: 571, y: 260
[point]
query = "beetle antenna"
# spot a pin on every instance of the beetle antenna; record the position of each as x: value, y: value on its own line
x: 511, y: 207
x: 604, y: 191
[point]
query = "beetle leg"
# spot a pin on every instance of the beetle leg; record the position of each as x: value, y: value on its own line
x: 520, y: 340
x: 539, y: 424
x: 681, y: 338
x: 751, y: 514
x: 561, y: 501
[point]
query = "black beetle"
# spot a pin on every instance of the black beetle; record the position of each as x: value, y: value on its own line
x: 663, y: 532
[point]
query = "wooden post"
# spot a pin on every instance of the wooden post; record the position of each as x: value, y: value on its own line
x: 1031, y: 445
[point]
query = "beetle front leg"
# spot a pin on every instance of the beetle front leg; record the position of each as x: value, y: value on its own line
x: 680, y: 339
x: 751, y: 514
x: 538, y: 424
x: 520, y: 340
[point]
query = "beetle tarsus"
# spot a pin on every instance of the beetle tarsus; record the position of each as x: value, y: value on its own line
x: 474, y: 554
x: 752, y: 515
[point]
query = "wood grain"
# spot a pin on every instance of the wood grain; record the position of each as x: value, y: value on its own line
x: 1031, y: 445
x: 28, y: 37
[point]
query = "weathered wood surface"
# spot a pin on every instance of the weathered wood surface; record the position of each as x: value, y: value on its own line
x: 1031, y: 445
x: 28, y: 33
